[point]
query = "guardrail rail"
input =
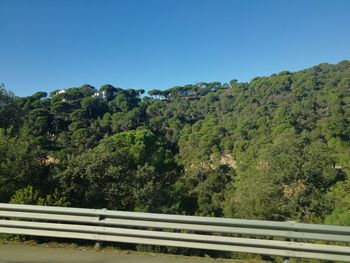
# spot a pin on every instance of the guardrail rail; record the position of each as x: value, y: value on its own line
x: 286, y: 239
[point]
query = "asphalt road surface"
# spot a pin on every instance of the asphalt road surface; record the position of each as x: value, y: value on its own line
x: 27, y: 253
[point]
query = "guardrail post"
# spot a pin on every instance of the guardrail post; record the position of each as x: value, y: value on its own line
x: 286, y: 259
x: 99, y: 243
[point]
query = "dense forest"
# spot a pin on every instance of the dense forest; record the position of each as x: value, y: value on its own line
x: 276, y: 148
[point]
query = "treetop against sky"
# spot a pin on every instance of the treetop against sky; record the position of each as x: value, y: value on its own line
x: 48, y: 45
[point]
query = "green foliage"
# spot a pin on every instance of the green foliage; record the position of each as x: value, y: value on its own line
x: 287, y: 180
x: 10, y: 112
x: 30, y: 196
x: 127, y: 171
x: 275, y: 148
x: 340, y: 194
x: 340, y: 215
x: 26, y: 196
x: 22, y: 163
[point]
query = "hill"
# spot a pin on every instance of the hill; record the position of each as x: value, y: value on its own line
x: 275, y: 148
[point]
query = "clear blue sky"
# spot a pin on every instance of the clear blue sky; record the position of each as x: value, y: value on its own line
x: 52, y: 44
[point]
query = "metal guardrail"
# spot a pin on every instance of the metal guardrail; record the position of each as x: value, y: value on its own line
x: 310, y: 241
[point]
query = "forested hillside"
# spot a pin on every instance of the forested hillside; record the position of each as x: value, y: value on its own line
x: 275, y: 148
